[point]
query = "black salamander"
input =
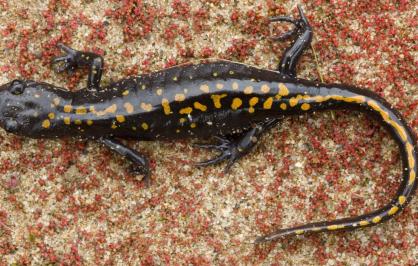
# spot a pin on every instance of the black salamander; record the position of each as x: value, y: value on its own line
x: 233, y: 102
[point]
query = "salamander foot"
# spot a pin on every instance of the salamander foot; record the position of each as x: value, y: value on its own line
x: 74, y: 59
x: 229, y: 151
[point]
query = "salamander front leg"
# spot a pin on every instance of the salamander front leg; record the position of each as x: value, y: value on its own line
x: 232, y: 149
x: 303, y: 33
x: 140, y: 163
x: 76, y: 59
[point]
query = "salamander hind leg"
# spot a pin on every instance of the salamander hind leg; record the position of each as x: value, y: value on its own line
x: 140, y: 163
x: 303, y: 37
x: 76, y: 59
x: 234, y: 148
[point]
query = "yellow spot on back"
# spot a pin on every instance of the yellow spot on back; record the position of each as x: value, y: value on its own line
x: 179, y: 97
x: 337, y: 97
x: 89, y: 122
x: 299, y: 232
x: 320, y: 99
x: 200, y: 106
x: 236, y: 103
x: 283, y: 90
x: 399, y: 129
x: 182, y: 120
x: 68, y: 108
x: 410, y: 154
x: 51, y: 115
x: 159, y: 92
x: 402, y: 199
x: 92, y: 109
x: 67, y: 120
x: 393, y: 210
x: 46, y: 123
x: 412, y: 176
x: 77, y: 122
x: 204, y: 88
x: 146, y: 106
x: 81, y: 110
x: 235, y: 86
x: 231, y: 72
x: 219, y: 86
x: 129, y: 108
x: 283, y: 106
x: 265, y: 88
x: 293, y: 101
x: 376, y: 219
x: 335, y: 227
x: 120, y: 118
x: 268, y: 103
x: 248, y: 90
x: 193, y: 125
x: 253, y: 101
x: 364, y: 223
x: 186, y: 110
x: 217, y: 99
x: 126, y: 92
x: 175, y: 78
x: 144, y: 126
x: 166, y: 106
x: 215, y: 74
x: 114, y: 126
x: 305, y: 106
x: 134, y: 128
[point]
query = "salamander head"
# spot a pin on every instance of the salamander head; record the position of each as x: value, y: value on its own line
x: 26, y: 107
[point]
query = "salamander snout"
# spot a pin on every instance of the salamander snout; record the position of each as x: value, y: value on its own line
x: 21, y: 103
x: 10, y: 106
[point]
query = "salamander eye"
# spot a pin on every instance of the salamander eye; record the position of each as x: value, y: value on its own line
x: 17, y: 87
x: 11, y: 126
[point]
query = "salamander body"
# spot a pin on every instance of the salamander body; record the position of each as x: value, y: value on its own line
x: 236, y: 103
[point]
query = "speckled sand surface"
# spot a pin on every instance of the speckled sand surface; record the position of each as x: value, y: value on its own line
x: 73, y: 202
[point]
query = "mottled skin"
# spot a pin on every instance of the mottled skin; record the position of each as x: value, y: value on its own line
x: 233, y: 102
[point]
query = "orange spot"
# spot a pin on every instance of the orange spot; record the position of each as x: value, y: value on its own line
x: 283, y: 90
x: 236, y: 103
x: 187, y: 110
x: 81, y: 110
x: 268, y: 103
x: 120, y: 118
x: 200, y: 106
x: 283, y: 106
x: 67, y: 120
x: 217, y: 99
x: 68, y: 108
x: 305, y: 106
x: 46, y: 123
x: 166, y: 106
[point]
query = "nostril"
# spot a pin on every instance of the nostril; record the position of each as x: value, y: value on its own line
x: 17, y: 87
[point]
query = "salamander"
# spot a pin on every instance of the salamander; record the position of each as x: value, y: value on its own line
x: 232, y: 102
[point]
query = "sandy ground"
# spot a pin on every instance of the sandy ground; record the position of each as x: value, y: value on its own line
x: 73, y: 202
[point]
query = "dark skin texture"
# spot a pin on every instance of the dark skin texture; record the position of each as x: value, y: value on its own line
x: 231, y: 102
